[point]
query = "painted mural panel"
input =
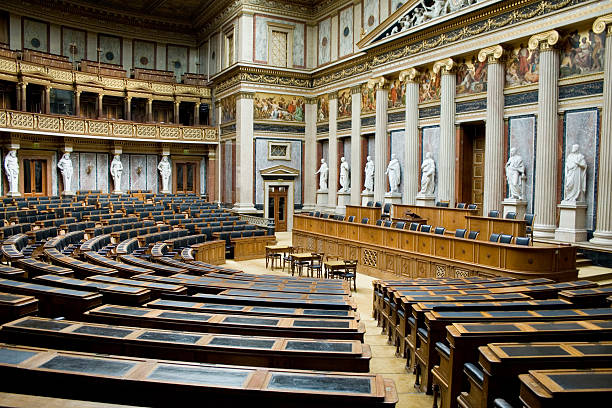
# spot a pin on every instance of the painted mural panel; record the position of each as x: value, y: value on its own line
x: 471, y: 77
x: 324, y: 48
x: 368, y: 99
x: 521, y: 135
x: 228, y: 109
x: 110, y: 49
x: 370, y: 14
x: 177, y: 60
x: 322, y: 108
x: 582, y: 52
x: 279, y: 107
x: 35, y: 35
x: 346, y: 31
x: 431, y: 144
x: 344, y: 103
x: 261, y: 39
x: 429, y: 86
x: 581, y: 128
x: 74, y: 44
x: 522, y: 66
x: 144, y: 54
x: 397, y: 94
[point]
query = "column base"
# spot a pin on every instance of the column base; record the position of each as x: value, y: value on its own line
x: 514, y: 205
x: 393, y: 198
x: 427, y: 200
x: 544, y: 231
x: 13, y: 194
x: 572, y: 222
x: 603, y: 238
x: 308, y: 207
x: 366, y: 197
x: 117, y: 192
x: 68, y: 193
x: 244, y: 208
x: 165, y: 192
x: 322, y: 197
x: 344, y: 198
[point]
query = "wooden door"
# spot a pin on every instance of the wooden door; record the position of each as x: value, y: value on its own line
x: 186, y: 177
x: 478, y: 160
x: 34, y: 177
x: 277, y: 207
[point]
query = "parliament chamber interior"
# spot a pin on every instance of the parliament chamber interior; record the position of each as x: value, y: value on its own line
x: 306, y: 203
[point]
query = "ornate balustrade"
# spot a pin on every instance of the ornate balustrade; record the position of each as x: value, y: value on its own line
x: 74, y: 126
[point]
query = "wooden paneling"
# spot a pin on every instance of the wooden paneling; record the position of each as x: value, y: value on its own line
x: 488, y: 226
x: 212, y: 252
x: 449, y: 218
x: 251, y: 247
x: 361, y: 212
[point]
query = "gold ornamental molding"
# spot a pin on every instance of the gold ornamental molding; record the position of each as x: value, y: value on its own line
x: 356, y: 89
x: 410, y: 74
x: 600, y: 24
x: 446, y: 65
x: 544, y: 41
x: 493, y: 54
x: 378, y: 83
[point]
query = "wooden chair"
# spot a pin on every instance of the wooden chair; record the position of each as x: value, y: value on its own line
x: 365, y: 220
x: 378, y: 204
x: 529, y: 224
x: 288, y: 258
x: 387, y: 224
x: 494, y: 214
x: 379, y: 223
x: 460, y: 205
x: 511, y: 215
x: 460, y: 232
x: 350, y: 272
x: 522, y: 241
x: 386, y: 212
x: 316, y: 265
x: 494, y: 237
x: 439, y: 230
x: 505, y: 239
x: 473, y: 234
x: 414, y: 226
x: 370, y: 204
x: 472, y: 206
x: 425, y: 228
x: 351, y: 218
x: 400, y: 225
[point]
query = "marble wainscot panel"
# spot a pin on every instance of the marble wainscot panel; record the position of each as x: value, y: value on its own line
x: 398, y: 148
x: 126, y: 174
x: 202, y: 176
x: 35, y: 35
x: 138, y: 172
x: 521, y: 135
x: 111, y: 49
x: 153, y: 174
x: 56, y: 176
x: 177, y: 60
x: 431, y: 143
x: 227, y: 169
x: 76, y: 37
x: 102, y: 172
x: 346, y: 153
x: 371, y: 148
x: 581, y: 127
x: 370, y: 14
x: 324, y: 45
x: 144, y: 54
x: 262, y: 162
x: 346, y: 31
x: 324, y: 152
x: 261, y: 39
x: 88, y: 171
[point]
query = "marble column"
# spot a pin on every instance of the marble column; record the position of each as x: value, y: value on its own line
x: 47, y: 96
x: 332, y: 160
x: 244, y: 153
x: 24, y: 105
x: 77, y: 103
x: 309, y: 167
x: 149, y: 110
x: 356, y: 165
x: 100, y: 107
x: 411, y: 132
x: 127, y: 107
x: 446, y: 167
x: 380, y: 137
x: 494, y: 129
x: 546, y: 161
x: 196, y: 114
x: 603, y: 226
x: 175, y: 116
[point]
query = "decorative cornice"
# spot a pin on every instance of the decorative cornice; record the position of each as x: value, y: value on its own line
x: 544, y: 41
x: 600, y: 24
x: 492, y: 54
x: 446, y: 65
x: 378, y: 83
x: 245, y: 95
x: 409, y: 74
x: 332, y: 95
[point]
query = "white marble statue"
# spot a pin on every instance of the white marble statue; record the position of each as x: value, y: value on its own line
x: 369, y: 176
x: 11, y: 167
x: 394, y: 172
x: 116, y: 168
x: 323, y: 172
x: 165, y: 171
x: 515, y: 171
x: 428, y: 174
x: 437, y: 9
x: 65, y: 166
x: 575, y: 175
x: 344, y: 176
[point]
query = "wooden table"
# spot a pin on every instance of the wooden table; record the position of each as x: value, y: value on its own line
x: 333, y: 268
x: 276, y: 249
x: 302, y: 256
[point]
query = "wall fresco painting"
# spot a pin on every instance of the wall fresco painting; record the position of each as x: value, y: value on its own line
x: 322, y: 108
x: 279, y: 107
x: 344, y: 103
x: 471, y: 77
x: 397, y: 94
x: 228, y: 109
x: 429, y: 86
x: 582, y: 52
x: 522, y: 66
x: 368, y: 100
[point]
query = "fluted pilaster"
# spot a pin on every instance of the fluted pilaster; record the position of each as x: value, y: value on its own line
x: 411, y: 133
x: 446, y: 175
x: 603, y: 227
x: 494, y: 129
x: 333, y: 152
x: 380, y: 137
x: 356, y: 167
x: 309, y: 166
x: 244, y: 153
x: 545, y: 200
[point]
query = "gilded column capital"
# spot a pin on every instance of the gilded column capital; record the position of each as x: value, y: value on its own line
x: 378, y: 83
x: 332, y: 95
x: 447, y: 66
x: 356, y: 89
x: 601, y: 23
x: 409, y: 75
x: 245, y: 95
x: 545, y: 41
x: 492, y: 54
x: 311, y: 101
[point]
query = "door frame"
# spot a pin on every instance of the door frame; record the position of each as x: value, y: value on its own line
x: 36, y: 155
x: 290, y: 184
x: 174, y: 160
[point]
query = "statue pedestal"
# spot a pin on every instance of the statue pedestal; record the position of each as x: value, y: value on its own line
x: 366, y: 197
x: 321, y: 200
x: 344, y: 198
x: 572, y: 222
x: 427, y: 200
x: 165, y: 192
x: 68, y: 193
x: 13, y: 194
x: 117, y: 192
x: 393, y: 198
x: 515, y: 205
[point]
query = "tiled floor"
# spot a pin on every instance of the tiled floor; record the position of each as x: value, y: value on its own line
x: 383, y: 355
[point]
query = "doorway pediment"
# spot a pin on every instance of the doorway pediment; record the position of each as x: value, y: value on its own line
x: 279, y: 171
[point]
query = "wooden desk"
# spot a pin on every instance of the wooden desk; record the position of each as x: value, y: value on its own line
x: 275, y: 249
x: 372, y: 213
x: 417, y: 254
x: 449, y: 218
x: 490, y: 225
x: 212, y: 252
x: 300, y: 257
x: 251, y: 247
x: 332, y: 268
